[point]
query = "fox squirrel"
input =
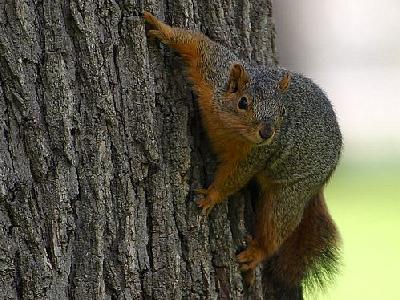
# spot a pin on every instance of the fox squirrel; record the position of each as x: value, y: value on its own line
x: 279, y: 128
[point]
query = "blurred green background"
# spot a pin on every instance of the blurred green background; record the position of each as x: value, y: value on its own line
x: 363, y: 198
x: 352, y: 50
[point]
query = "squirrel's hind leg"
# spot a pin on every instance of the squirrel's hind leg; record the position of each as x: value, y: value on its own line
x: 279, y: 212
x: 310, y: 255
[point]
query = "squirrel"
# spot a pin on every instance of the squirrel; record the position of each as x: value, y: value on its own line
x: 277, y: 127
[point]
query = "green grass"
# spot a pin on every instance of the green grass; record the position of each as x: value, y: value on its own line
x: 364, y: 200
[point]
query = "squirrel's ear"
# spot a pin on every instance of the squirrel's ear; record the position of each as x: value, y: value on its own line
x: 238, y: 79
x: 283, y: 84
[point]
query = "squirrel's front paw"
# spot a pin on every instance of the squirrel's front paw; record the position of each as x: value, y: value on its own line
x: 157, y: 29
x: 210, y: 198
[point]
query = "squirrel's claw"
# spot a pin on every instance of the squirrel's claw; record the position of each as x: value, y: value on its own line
x: 250, y: 258
x: 151, y: 19
x: 157, y: 29
x: 247, y: 263
x: 207, y: 201
x: 206, y: 205
x: 155, y: 34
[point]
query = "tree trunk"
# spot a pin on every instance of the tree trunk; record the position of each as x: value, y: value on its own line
x: 101, y: 146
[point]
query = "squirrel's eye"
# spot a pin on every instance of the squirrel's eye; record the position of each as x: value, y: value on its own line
x: 243, y: 104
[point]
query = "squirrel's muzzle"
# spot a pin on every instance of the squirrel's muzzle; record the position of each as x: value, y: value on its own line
x: 266, y: 130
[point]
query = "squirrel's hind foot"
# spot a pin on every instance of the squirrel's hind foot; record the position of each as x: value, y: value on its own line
x: 251, y: 257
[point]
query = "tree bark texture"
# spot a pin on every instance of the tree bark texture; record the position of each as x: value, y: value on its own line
x: 101, y: 146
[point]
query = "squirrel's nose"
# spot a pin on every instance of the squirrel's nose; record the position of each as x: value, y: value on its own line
x: 266, y: 130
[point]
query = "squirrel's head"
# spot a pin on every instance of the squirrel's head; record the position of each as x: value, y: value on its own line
x: 252, y: 105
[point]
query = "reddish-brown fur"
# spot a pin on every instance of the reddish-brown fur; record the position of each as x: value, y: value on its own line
x: 315, y: 234
x: 226, y: 145
x: 265, y: 241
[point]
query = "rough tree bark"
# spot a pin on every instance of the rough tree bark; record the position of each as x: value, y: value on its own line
x: 101, y: 147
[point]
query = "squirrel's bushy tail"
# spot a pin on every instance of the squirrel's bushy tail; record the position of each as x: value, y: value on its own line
x: 310, y: 256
